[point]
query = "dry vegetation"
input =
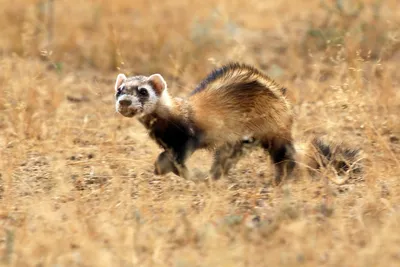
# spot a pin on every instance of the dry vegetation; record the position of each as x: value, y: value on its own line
x: 76, y: 179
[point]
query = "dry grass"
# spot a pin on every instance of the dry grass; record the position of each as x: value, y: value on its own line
x: 76, y: 179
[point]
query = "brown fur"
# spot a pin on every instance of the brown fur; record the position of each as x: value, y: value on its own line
x: 241, y: 102
x: 233, y: 102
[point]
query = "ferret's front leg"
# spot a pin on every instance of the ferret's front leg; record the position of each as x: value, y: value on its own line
x: 166, y: 163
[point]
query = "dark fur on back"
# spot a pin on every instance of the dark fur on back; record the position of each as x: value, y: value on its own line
x: 228, y: 71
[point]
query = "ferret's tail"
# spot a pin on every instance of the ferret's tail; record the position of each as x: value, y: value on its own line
x: 319, y: 153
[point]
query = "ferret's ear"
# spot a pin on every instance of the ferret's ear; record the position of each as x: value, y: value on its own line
x: 158, y: 83
x: 120, y: 79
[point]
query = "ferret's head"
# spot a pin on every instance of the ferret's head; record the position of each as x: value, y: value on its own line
x: 139, y: 95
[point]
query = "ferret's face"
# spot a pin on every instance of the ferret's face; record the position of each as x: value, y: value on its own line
x: 138, y: 95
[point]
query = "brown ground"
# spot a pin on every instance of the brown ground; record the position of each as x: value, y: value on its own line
x: 76, y: 179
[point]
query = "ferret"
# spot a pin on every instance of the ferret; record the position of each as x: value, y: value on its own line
x: 234, y: 107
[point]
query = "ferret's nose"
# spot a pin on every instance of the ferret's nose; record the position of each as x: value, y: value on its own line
x: 125, y: 102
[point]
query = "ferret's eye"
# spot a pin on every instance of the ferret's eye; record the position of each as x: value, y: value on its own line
x: 143, y: 92
x: 119, y: 91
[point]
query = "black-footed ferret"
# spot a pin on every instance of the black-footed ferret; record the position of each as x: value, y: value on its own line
x: 234, y: 106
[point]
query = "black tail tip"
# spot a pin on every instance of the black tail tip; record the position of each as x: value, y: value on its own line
x: 343, y: 159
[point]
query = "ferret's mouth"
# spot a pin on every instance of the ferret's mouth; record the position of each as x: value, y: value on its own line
x: 128, y: 112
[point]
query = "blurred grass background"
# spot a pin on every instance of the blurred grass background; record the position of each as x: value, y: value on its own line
x: 183, y: 36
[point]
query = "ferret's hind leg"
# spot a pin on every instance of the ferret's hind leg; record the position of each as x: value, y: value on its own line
x: 282, y: 154
x: 221, y: 156
x: 228, y: 155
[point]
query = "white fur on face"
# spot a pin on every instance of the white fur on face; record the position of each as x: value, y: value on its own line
x: 152, y: 101
x: 138, y: 106
x: 165, y: 99
x: 142, y: 105
x: 128, y: 111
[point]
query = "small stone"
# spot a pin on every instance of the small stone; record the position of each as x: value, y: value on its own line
x: 394, y: 139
